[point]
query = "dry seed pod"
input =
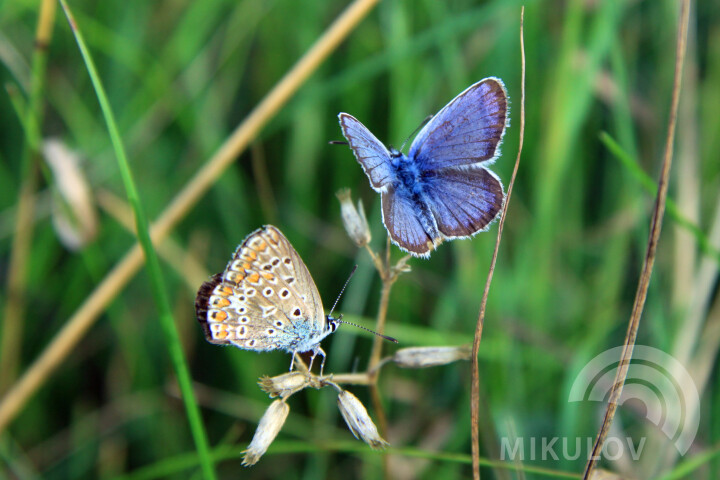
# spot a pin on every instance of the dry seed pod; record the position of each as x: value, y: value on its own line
x: 358, y: 420
x: 354, y: 220
x: 284, y: 385
x: 268, y: 428
x: 423, y: 357
x: 73, y: 208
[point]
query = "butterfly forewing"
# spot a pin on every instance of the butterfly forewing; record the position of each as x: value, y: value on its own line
x: 467, y: 131
x: 369, y: 151
x: 265, y: 299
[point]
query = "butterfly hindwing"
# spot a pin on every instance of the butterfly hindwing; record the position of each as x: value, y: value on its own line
x: 369, y: 151
x: 202, y: 306
x: 464, y: 202
x: 467, y: 131
x: 409, y: 222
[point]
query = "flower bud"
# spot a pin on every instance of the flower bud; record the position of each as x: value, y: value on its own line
x: 358, y: 420
x: 423, y: 357
x: 268, y: 428
x: 284, y: 385
x: 354, y: 220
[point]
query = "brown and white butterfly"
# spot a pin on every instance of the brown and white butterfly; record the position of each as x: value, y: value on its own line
x: 265, y: 300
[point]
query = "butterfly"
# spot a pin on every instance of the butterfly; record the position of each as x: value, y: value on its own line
x: 441, y: 189
x: 265, y: 300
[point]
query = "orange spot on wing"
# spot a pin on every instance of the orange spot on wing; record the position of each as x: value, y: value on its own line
x: 220, y: 302
x: 218, y: 315
x: 269, y: 276
x: 262, y: 246
x: 253, y: 277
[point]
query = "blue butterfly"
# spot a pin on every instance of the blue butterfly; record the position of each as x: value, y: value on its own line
x: 441, y: 189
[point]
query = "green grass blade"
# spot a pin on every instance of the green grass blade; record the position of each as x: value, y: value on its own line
x: 650, y: 186
x: 153, y: 265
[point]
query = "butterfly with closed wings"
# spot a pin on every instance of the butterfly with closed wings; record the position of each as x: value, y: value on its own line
x: 266, y: 300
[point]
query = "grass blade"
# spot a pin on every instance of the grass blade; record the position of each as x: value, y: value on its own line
x: 157, y: 282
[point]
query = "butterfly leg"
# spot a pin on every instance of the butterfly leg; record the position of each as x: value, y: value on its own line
x: 319, y: 350
x: 292, y: 360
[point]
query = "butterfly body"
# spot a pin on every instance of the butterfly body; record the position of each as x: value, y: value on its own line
x: 409, y: 177
x: 264, y: 300
x: 441, y: 189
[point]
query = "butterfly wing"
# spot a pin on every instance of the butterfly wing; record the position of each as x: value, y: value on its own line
x: 264, y: 300
x: 467, y: 131
x: 369, y: 151
x: 463, y: 202
x: 409, y: 222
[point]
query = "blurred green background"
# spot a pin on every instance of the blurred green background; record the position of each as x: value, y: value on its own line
x: 182, y: 75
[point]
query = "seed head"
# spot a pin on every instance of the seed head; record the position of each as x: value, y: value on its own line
x: 423, y: 357
x: 358, y: 420
x: 268, y: 428
x: 284, y: 385
x: 354, y: 220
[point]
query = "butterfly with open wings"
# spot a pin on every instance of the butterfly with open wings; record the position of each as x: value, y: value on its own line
x: 442, y: 189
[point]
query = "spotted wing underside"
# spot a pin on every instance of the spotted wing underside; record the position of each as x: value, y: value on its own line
x: 264, y: 300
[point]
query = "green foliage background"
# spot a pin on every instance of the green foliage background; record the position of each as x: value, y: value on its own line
x: 181, y: 75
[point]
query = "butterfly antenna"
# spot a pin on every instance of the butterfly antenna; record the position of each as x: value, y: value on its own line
x: 342, y: 291
x: 390, y: 339
x: 424, y: 122
x: 338, y: 142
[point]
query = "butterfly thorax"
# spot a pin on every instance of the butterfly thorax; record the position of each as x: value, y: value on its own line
x: 409, y: 176
x: 306, y: 336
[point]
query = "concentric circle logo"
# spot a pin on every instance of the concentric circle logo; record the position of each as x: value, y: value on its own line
x: 656, y: 379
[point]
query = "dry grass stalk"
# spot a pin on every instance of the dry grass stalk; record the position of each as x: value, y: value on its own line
x: 655, y: 227
x: 475, y: 373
